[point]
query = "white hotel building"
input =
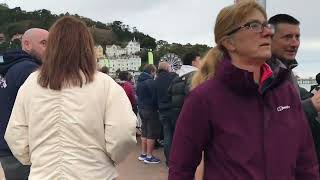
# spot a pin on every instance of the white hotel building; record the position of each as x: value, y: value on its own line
x: 124, y: 59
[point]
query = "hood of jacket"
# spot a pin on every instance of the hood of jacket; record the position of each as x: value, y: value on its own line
x: 144, y: 76
x: 185, y: 69
x: 275, y: 62
x: 10, y: 58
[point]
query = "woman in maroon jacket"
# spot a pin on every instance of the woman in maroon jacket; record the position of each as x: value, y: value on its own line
x: 128, y: 88
x: 248, y: 123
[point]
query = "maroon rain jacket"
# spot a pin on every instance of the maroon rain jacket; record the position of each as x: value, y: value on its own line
x: 248, y: 131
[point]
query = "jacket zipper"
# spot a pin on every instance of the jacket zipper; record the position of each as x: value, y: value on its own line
x: 265, y: 127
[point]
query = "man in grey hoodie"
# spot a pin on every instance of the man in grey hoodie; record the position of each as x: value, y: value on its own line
x: 284, y: 46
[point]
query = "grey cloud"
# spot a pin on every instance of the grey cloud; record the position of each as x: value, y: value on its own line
x: 305, y: 11
x: 102, y: 10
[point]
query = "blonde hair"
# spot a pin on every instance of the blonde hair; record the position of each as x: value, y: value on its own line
x: 228, y: 19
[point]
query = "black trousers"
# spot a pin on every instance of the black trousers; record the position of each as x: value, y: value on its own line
x: 13, y: 169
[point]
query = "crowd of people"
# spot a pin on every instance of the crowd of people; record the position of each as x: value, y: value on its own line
x: 236, y: 113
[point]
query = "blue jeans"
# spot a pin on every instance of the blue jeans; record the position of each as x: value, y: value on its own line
x: 13, y: 169
x: 167, y: 133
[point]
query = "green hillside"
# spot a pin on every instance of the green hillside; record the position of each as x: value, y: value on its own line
x: 16, y: 21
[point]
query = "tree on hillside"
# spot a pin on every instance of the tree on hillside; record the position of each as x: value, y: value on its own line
x: 46, y: 18
x: 101, y: 25
x: 122, y: 31
x: 3, y: 47
x: 161, y: 43
x: 145, y: 40
x: 15, y: 44
x: 4, y: 6
x: 15, y: 28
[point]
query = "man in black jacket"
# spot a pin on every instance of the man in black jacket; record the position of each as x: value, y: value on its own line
x: 162, y: 83
x: 15, y: 67
x: 180, y: 86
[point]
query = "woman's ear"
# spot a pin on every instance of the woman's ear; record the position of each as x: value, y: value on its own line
x: 228, y: 43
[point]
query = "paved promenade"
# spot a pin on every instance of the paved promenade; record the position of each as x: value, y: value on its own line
x: 132, y: 169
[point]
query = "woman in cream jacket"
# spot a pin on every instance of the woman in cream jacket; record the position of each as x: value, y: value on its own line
x: 70, y: 121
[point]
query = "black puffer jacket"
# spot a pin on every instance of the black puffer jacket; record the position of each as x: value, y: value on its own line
x: 178, y: 90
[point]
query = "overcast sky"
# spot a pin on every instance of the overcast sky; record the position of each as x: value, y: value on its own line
x: 187, y: 21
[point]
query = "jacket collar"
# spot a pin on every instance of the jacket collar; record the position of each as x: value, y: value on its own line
x: 11, y: 57
x: 144, y: 76
x: 276, y: 62
x: 242, y: 81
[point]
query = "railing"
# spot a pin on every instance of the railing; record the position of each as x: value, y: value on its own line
x: 307, y: 81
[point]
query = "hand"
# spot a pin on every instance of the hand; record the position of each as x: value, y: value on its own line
x: 316, y: 100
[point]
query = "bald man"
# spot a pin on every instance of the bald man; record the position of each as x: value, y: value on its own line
x: 15, y: 67
x: 162, y: 83
x: 34, y: 42
x: 164, y: 66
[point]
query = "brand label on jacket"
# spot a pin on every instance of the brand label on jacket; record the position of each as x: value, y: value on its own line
x: 3, y: 83
x: 281, y: 108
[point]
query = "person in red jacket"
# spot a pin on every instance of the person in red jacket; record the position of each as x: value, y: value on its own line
x: 247, y: 120
x: 128, y: 88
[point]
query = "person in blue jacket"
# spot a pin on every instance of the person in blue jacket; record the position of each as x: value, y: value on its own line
x: 15, y: 67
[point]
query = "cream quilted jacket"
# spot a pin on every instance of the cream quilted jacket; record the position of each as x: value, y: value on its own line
x: 73, y: 134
